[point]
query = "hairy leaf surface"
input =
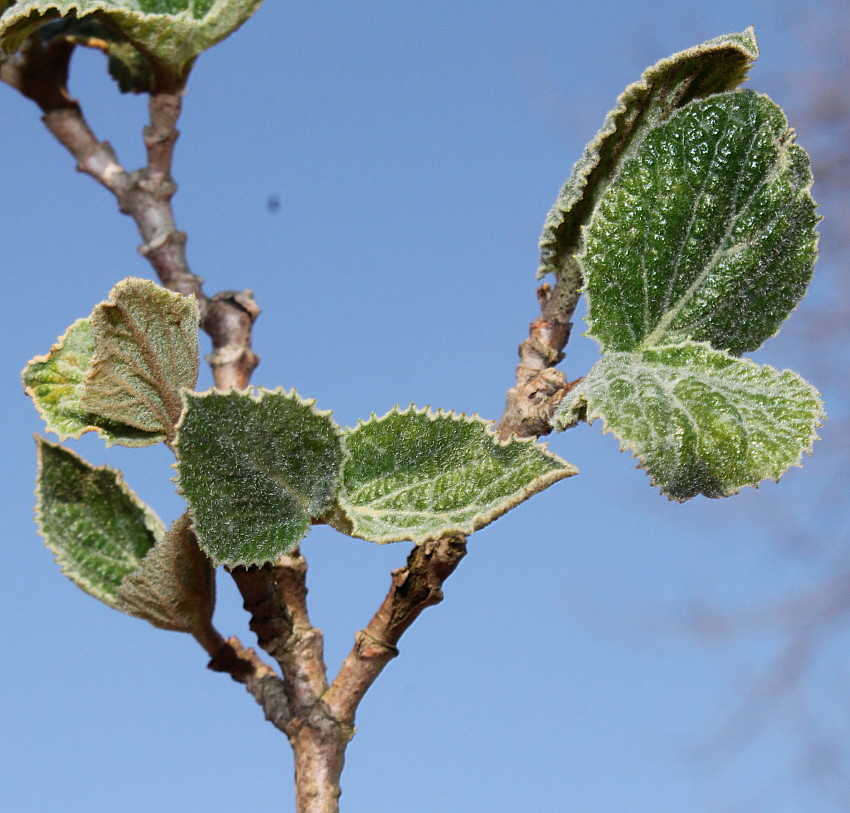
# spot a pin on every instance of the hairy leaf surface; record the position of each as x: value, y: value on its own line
x: 707, y: 233
x: 715, y: 66
x: 97, y: 527
x: 255, y: 470
x: 146, y: 350
x: 417, y: 475
x: 171, y: 32
x: 700, y: 420
x: 174, y: 586
x: 55, y: 384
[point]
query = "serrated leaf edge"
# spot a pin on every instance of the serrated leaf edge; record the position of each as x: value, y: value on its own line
x: 580, y: 410
x: 102, y: 431
x: 586, y: 165
x: 482, y: 519
x: 130, y: 286
x: 152, y: 522
x: 782, y: 148
x: 18, y: 14
x: 261, y: 392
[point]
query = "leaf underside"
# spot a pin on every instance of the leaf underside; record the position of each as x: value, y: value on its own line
x: 255, y: 470
x: 700, y: 420
x: 55, y: 384
x: 96, y: 526
x: 715, y: 66
x: 127, y: 66
x: 170, y: 32
x: 146, y: 350
x: 174, y: 585
x: 416, y: 475
x: 707, y: 233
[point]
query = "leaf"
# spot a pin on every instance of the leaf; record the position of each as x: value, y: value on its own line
x: 707, y: 233
x: 169, y: 32
x: 55, y: 384
x: 419, y: 475
x: 700, y: 420
x: 174, y: 586
x: 718, y: 65
x: 255, y: 471
x: 127, y: 66
x: 97, y: 527
x: 146, y: 350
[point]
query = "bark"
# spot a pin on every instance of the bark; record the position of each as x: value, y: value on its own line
x: 540, y: 387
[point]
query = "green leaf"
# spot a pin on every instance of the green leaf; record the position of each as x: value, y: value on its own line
x: 174, y: 586
x: 146, y: 350
x: 170, y: 33
x: 715, y: 66
x: 97, y: 527
x: 255, y: 471
x: 55, y: 383
x: 417, y: 475
x: 700, y: 420
x: 127, y: 66
x: 707, y: 233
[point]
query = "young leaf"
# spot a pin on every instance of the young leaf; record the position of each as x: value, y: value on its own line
x: 707, y: 233
x: 127, y: 66
x: 168, y: 32
x: 146, y: 350
x: 700, y: 420
x: 718, y: 65
x: 419, y: 475
x: 255, y: 471
x: 97, y: 527
x: 55, y: 384
x: 174, y: 586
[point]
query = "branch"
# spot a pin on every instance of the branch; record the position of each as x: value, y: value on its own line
x: 540, y: 387
x: 41, y: 72
x: 245, y: 667
x: 276, y: 597
x: 414, y: 587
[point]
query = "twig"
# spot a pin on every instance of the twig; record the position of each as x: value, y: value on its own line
x: 414, y: 587
x: 40, y: 72
x: 540, y: 387
x: 262, y: 682
x: 275, y: 595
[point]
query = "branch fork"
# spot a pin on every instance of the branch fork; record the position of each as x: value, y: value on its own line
x: 317, y: 717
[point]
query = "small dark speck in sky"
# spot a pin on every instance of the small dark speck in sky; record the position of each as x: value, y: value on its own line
x: 273, y: 204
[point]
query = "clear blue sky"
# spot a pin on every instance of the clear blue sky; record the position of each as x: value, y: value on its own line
x: 415, y: 149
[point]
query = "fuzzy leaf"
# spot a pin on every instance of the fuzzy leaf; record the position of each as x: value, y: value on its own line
x: 127, y: 66
x: 700, y: 420
x: 146, y: 350
x: 718, y: 65
x: 255, y: 471
x: 174, y: 586
x: 419, y: 475
x: 97, y: 527
x: 169, y: 32
x: 707, y: 233
x: 55, y: 384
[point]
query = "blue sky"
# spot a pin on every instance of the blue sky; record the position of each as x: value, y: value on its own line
x: 415, y: 150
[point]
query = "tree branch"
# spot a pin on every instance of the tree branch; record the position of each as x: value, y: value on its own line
x: 276, y: 597
x: 413, y: 588
x: 540, y: 387
x: 40, y: 72
x: 262, y: 682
